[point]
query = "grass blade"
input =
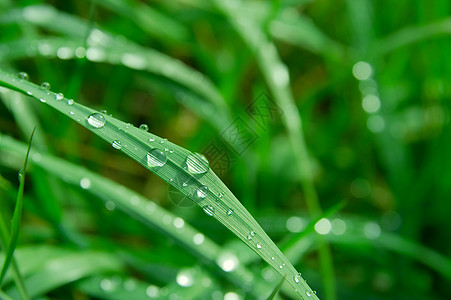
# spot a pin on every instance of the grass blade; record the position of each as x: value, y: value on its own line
x: 15, y: 223
x: 187, y: 172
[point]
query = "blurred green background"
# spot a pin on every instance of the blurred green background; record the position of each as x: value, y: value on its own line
x: 369, y: 80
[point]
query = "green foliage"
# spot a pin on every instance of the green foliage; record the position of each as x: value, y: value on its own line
x: 329, y: 121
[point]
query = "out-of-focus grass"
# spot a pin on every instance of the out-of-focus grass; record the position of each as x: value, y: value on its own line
x: 377, y: 134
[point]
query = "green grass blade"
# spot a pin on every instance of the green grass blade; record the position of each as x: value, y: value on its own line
x: 17, y: 215
x: 273, y: 294
x: 278, y: 80
x: 187, y: 172
x: 149, y: 213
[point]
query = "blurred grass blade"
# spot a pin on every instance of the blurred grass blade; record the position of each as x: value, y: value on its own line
x: 17, y: 215
x: 187, y: 172
x: 276, y: 289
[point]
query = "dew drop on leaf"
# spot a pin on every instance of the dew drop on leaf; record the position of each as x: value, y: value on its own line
x: 60, y: 96
x: 297, y: 278
x: 156, y: 158
x: 209, y: 210
x: 144, y: 127
x: 201, y: 192
x: 230, y: 212
x: 117, y: 145
x: 23, y: 76
x: 45, y: 86
x: 258, y: 246
x: 70, y: 102
x: 96, y: 120
x: 197, y: 164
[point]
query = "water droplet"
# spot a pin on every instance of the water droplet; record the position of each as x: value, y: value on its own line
x: 258, y: 246
x: 42, y: 100
x: 309, y: 294
x: 220, y: 195
x: 70, y: 102
x: 272, y: 258
x: 163, y: 140
x: 171, y: 151
x: 117, y: 145
x: 144, y: 127
x: 128, y: 125
x: 85, y: 183
x: 45, y: 86
x: 151, y: 140
x: 297, y: 278
x: 249, y: 237
x: 197, y: 164
x: 202, y: 192
x: 209, y: 210
x: 103, y: 111
x: 60, y: 96
x: 230, y: 212
x: 71, y: 113
x: 20, y: 175
x: 23, y: 76
x: 30, y: 93
x: 252, y: 233
x: 156, y: 158
x: 96, y: 120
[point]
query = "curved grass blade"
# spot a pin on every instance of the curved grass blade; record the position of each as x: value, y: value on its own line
x: 187, y: 172
x: 276, y: 289
x: 17, y: 215
x: 145, y: 211
x: 62, y: 270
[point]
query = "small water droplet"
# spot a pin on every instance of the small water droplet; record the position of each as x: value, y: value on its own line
x: 151, y: 140
x: 185, y: 184
x: 30, y: 93
x: 220, y: 195
x: 272, y: 258
x: 128, y: 125
x: 258, y: 246
x: 117, y: 145
x: 197, y: 164
x: 144, y: 127
x: 45, y: 86
x: 96, y: 120
x: 201, y: 192
x: 171, y: 151
x: 20, y: 175
x: 60, y: 96
x: 249, y: 237
x: 297, y: 278
x: 209, y: 210
x: 71, y: 113
x: 252, y: 233
x: 42, y: 100
x: 163, y: 140
x: 309, y: 294
x: 156, y: 158
x: 23, y: 76
x: 70, y: 102
x: 103, y: 111
x: 230, y: 212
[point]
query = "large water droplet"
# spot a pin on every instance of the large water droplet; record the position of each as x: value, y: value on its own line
x: 209, y: 210
x: 23, y: 76
x: 201, y: 192
x: 45, y: 86
x: 144, y: 127
x: 297, y: 278
x: 156, y: 158
x: 116, y: 145
x: 196, y: 163
x: 96, y: 120
x: 60, y: 96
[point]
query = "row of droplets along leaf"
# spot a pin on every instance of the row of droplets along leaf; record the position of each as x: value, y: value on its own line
x: 196, y: 165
